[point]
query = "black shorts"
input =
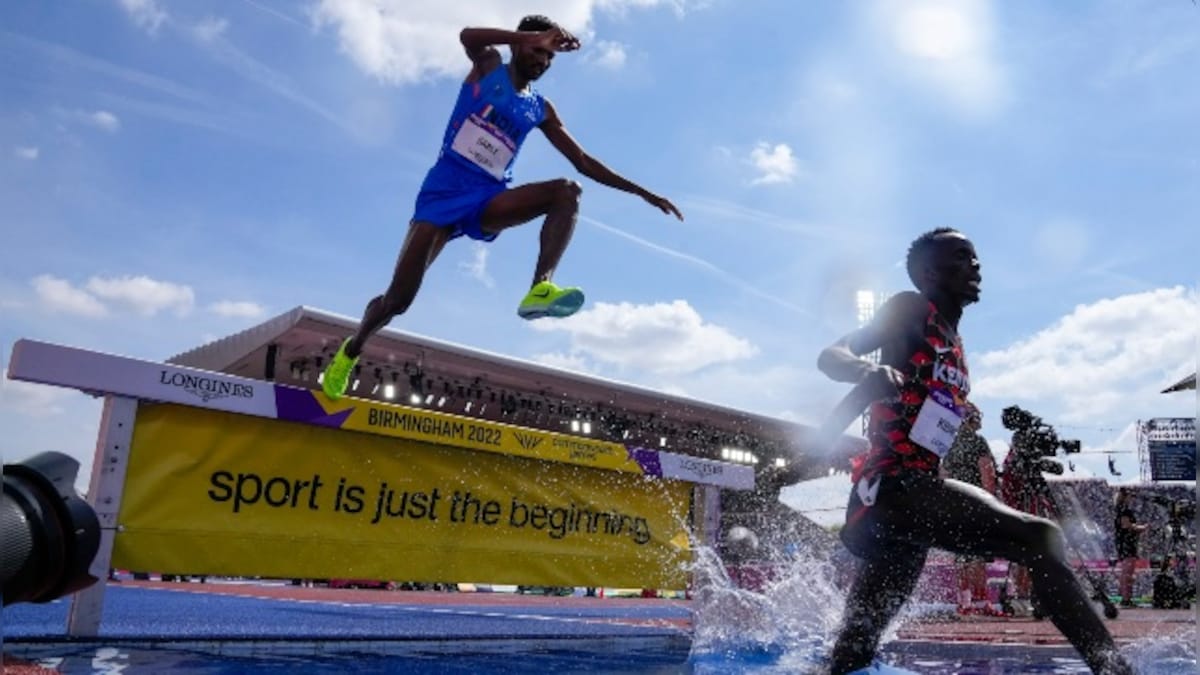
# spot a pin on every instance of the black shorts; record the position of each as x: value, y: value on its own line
x: 907, y: 514
x: 863, y: 533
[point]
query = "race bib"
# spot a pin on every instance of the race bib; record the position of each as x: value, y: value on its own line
x: 937, y: 423
x: 483, y: 146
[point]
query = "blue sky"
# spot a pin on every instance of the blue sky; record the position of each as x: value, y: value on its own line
x: 172, y: 172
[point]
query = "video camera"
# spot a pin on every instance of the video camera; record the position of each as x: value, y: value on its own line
x: 1034, y: 437
x: 1180, y: 510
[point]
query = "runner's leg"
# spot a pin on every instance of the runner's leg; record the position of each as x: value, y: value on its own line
x: 558, y: 200
x: 1126, y: 590
x: 883, y: 584
x: 421, y: 247
x: 962, y: 518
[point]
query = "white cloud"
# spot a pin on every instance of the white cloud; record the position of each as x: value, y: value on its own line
x: 102, y: 120
x: 144, y: 295
x: 145, y: 13
x: 97, y: 119
x: 402, y: 41
x: 22, y: 152
x: 32, y: 400
x: 610, y: 55
x: 102, y: 295
x: 476, y: 267
x: 946, y: 45
x: 1109, y: 358
x: 775, y: 164
x: 210, y: 28
x: 665, y: 338
x: 237, y: 309
x: 58, y: 295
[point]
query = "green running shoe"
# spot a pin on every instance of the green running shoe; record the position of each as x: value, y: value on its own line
x: 546, y: 299
x: 337, y: 373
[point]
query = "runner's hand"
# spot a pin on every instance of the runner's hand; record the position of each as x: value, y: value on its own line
x: 884, y: 381
x: 557, y: 39
x: 663, y: 204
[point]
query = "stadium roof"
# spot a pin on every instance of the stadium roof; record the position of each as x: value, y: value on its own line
x: 304, y: 334
x: 1186, y: 383
x: 291, y: 348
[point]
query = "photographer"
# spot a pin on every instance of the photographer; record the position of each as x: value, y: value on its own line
x: 1174, y: 585
x: 1126, y: 531
x: 1023, y: 487
x: 970, y: 461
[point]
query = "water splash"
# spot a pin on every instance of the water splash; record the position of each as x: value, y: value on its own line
x: 788, y: 617
x: 1173, y: 654
x: 793, y: 611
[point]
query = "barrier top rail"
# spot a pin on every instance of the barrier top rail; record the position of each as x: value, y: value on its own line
x: 107, y: 374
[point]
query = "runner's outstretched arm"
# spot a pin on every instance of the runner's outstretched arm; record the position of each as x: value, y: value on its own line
x: 593, y: 168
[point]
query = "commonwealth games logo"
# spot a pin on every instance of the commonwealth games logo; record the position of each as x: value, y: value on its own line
x: 527, y: 441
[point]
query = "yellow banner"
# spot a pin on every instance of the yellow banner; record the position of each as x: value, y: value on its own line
x: 464, y: 432
x: 224, y: 494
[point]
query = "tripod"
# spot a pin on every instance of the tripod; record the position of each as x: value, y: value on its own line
x: 1174, y: 588
x: 1038, y: 500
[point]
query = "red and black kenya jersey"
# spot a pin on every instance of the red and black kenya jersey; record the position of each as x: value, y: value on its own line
x: 937, y: 361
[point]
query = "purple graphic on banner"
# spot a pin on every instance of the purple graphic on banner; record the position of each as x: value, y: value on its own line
x: 647, y: 459
x: 299, y: 405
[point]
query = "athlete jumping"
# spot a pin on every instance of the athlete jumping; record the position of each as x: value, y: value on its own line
x: 467, y: 191
x: 899, y: 507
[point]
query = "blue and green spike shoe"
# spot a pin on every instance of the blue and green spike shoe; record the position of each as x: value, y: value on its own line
x: 546, y: 299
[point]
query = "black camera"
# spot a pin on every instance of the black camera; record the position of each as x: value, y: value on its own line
x: 48, y: 534
x: 1032, y: 436
x: 1181, y: 510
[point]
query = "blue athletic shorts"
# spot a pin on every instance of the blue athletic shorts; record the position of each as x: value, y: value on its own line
x: 455, y: 197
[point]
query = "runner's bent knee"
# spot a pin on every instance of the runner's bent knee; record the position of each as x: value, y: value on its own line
x: 1038, y: 539
x: 567, y: 192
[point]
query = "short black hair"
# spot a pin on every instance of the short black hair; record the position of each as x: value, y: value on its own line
x: 918, y: 252
x: 536, y: 22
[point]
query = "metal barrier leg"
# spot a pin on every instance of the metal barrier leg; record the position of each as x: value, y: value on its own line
x: 104, y: 494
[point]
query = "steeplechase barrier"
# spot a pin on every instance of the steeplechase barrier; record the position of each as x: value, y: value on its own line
x: 199, y: 472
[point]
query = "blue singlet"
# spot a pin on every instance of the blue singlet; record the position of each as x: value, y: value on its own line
x: 486, y: 129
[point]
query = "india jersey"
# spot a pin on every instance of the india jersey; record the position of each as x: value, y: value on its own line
x: 488, y: 125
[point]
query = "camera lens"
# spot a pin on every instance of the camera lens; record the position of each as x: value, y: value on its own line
x: 48, y: 534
